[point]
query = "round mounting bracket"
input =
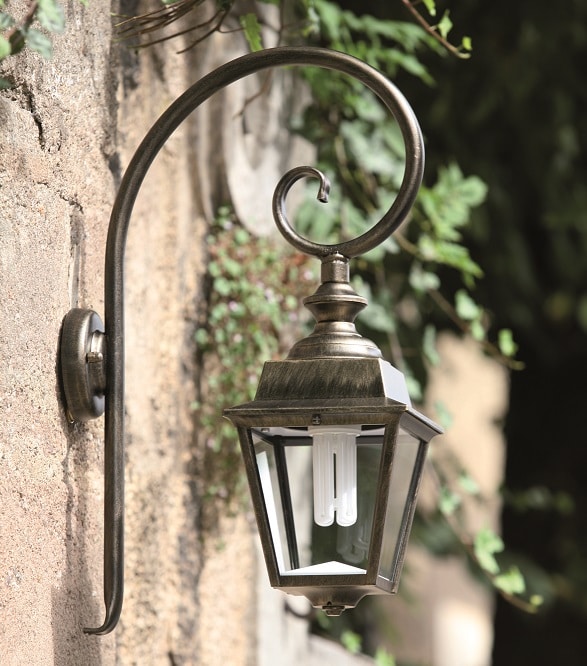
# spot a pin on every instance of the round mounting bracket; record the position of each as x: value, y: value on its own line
x: 83, y: 364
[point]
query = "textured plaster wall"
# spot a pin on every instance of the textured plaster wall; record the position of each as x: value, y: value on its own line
x: 444, y: 616
x: 67, y: 130
x: 56, y: 140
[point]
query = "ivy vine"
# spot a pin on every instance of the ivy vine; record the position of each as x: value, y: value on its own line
x: 252, y: 314
x: 33, y: 31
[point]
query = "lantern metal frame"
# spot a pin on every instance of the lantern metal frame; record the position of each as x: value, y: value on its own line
x: 362, y: 391
x: 92, y: 353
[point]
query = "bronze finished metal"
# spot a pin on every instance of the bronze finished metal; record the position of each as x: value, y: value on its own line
x: 334, y: 304
x: 290, y: 393
x: 83, y: 366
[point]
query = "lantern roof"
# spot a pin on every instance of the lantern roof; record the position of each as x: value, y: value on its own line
x: 360, y: 389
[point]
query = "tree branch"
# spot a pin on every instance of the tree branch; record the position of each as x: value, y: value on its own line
x: 432, y: 31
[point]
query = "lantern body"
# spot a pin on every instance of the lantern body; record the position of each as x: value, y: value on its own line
x: 335, y: 424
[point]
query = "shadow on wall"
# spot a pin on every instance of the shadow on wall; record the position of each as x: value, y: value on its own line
x: 73, y: 603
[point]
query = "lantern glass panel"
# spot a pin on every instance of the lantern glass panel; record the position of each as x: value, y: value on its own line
x: 408, y: 458
x: 342, y: 477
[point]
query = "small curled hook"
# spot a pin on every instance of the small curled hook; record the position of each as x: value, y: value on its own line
x: 280, y: 217
x: 324, y: 191
x: 400, y: 207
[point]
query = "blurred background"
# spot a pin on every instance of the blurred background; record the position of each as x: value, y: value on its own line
x: 514, y: 114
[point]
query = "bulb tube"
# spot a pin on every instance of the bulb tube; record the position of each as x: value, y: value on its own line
x: 334, y: 459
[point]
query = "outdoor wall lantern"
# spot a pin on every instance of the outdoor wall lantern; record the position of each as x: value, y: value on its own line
x: 334, y: 406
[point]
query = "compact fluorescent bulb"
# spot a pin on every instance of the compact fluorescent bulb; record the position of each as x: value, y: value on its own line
x: 334, y: 457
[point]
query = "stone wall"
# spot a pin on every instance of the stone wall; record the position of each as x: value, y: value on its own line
x: 68, y: 128
x: 57, y: 140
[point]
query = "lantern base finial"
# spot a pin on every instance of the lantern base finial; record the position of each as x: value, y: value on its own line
x: 333, y: 611
x: 335, y: 306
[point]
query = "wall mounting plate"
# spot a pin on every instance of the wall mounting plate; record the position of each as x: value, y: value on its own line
x: 83, y: 364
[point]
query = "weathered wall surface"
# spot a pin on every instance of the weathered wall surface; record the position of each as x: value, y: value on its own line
x: 446, y: 617
x: 57, y: 137
x: 67, y: 130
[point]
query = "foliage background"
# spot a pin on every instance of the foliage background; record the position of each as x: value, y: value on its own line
x: 514, y: 114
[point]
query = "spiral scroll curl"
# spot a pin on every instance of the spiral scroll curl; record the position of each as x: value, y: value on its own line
x: 348, y: 249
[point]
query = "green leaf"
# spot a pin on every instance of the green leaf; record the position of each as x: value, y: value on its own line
x: 422, y: 280
x: 232, y: 267
x: 472, y: 190
x: 242, y: 236
x: 410, y: 63
x: 486, y: 544
x: 312, y: 23
x: 430, y: 6
x: 324, y: 621
x: 368, y: 147
x: 202, y: 337
x: 445, y: 25
x: 380, y: 318
x: 5, y: 47
x: 429, y: 345
x: 6, y: 21
x: 477, y: 330
x: 510, y: 581
x: 466, y: 307
x: 506, y: 343
x: 450, y: 254
x: 468, y: 484
x: 50, y: 16
x: 37, y: 41
x: 383, y: 658
x: 351, y: 641
x: 448, y: 502
x: 223, y: 286
x: 443, y: 416
x: 252, y: 29
x: 448, y: 204
x: 414, y: 387
x: 317, y: 221
x: 467, y: 44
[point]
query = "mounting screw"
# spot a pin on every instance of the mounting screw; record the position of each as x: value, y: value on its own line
x: 332, y: 610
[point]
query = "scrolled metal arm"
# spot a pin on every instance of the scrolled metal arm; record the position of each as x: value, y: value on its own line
x: 117, y: 234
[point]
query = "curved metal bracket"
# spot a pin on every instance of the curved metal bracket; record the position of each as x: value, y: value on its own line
x: 117, y: 234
